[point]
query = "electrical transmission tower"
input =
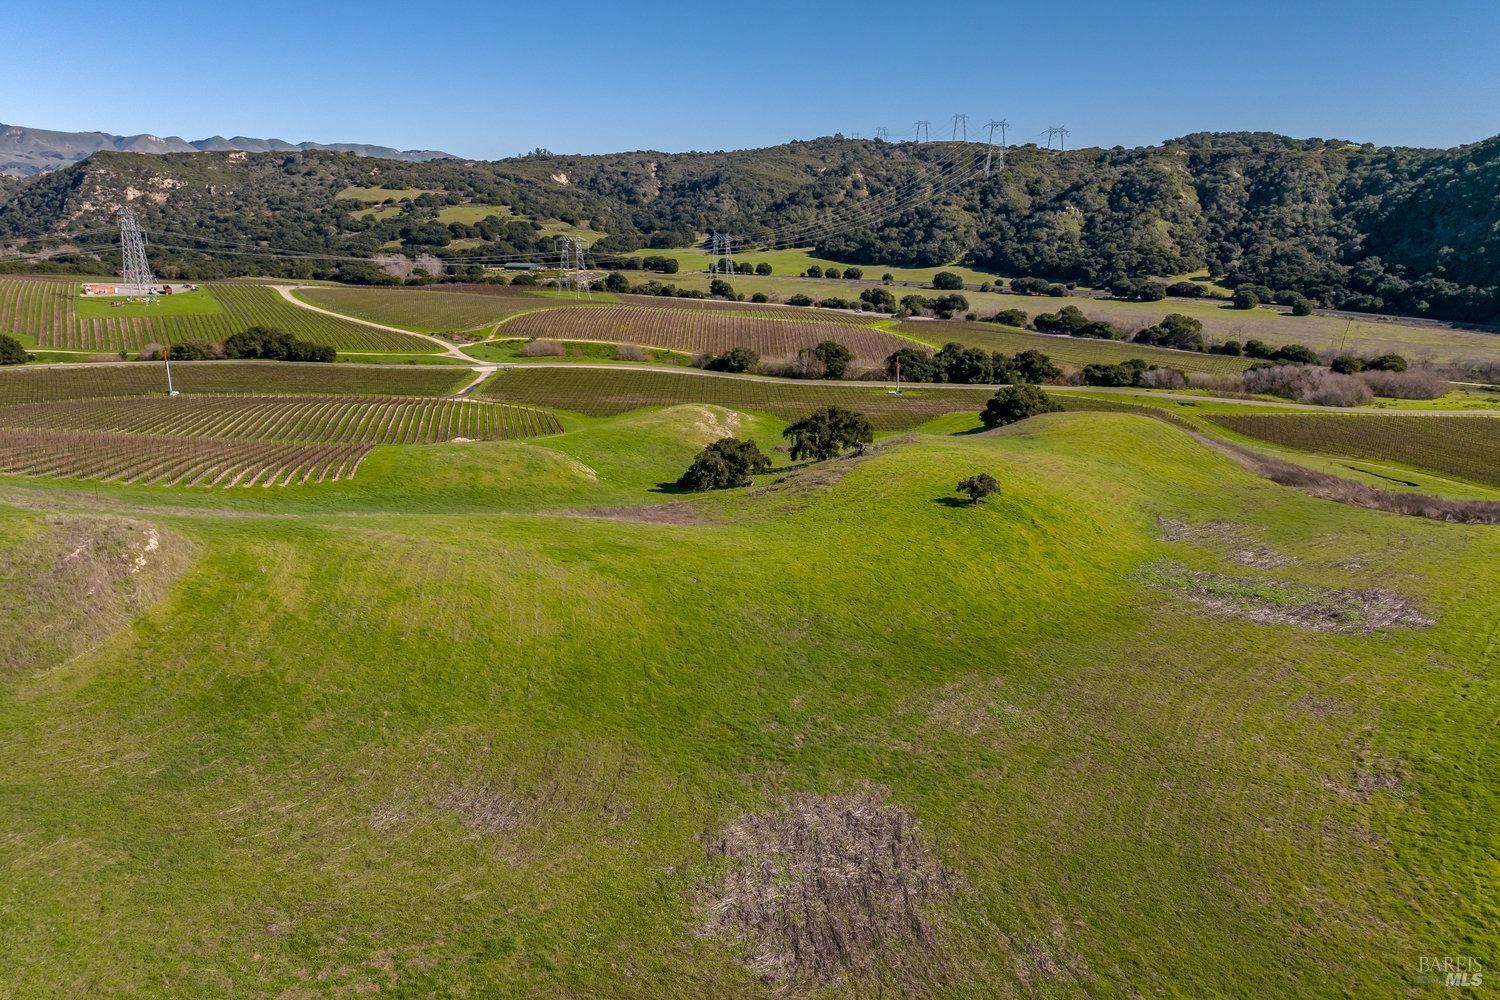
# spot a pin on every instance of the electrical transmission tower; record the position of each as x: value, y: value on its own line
x: 924, y: 134
x: 135, y: 270
x: 1060, y: 133
x: 961, y: 121
x: 882, y: 133
x: 722, y: 262
x: 1002, y: 125
x: 580, y: 276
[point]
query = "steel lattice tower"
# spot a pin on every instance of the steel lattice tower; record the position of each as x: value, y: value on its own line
x: 136, y: 271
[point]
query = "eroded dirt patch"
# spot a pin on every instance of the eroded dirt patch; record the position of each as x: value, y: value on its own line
x: 1278, y: 602
x: 679, y: 512
x: 1226, y: 536
x: 826, y: 887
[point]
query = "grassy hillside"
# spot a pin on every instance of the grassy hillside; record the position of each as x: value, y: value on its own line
x: 1141, y: 724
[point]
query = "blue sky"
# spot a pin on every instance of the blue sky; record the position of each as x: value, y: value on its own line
x: 493, y: 79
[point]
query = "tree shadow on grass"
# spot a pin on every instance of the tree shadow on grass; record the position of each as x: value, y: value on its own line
x: 958, y: 502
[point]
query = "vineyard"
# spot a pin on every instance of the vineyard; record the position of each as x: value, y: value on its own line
x: 425, y: 310
x: 795, y: 314
x: 36, y: 385
x: 604, y: 392
x: 1462, y: 447
x: 702, y: 330
x: 45, y: 308
x: 1075, y: 351
x: 246, y: 441
x: 331, y: 419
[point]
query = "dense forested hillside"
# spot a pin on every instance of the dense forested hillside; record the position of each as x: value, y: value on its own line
x: 1354, y: 226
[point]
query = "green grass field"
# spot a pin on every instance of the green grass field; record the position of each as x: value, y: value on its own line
x: 375, y: 195
x: 470, y: 214
x: 1073, y: 351
x: 195, y: 303
x: 607, y: 392
x: 526, y: 751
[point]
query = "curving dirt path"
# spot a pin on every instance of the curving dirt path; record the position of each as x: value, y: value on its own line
x: 448, y: 349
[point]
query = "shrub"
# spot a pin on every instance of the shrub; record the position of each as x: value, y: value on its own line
x: 1175, y: 330
x: 1036, y: 286
x: 1346, y: 364
x: 1404, y: 385
x: 720, y: 289
x: 1009, y: 317
x: 736, y: 359
x: 835, y: 358
x: 629, y: 352
x: 1258, y: 349
x: 762, y: 268
x: 946, y: 305
x: 799, y: 300
x: 274, y: 345
x: 853, y: 273
x: 1108, y: 375
x: 814, y: 271
x: 806, y: 365
x: 524, y: 278
x: 1244, y: 298
x: 964, y: 365
x: 1034, y: 367
x: 1229, y: 347
x: 915, y: 303
x: 1301, y: 306
x: 825, y: 433
x: 1065, y: 320
x: 880, y: 298
x: 1295, y: 354
x: 614, y: 281
x: 1186, y: 290
x: 947, y: 281
x: 1387, y: 363
x: 540, y: 349
x: 1014, y: 403
x: 1307, y: 384
x: 760, y: 297
x: 11, y: 351
x: 1138, y: 290
x: 914, y: 365
x: 192, y: 350
x: 1161, y: 378
x: 978, y: 486
x: 728, y: 462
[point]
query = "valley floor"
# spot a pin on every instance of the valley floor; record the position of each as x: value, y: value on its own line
x: 515, y: 718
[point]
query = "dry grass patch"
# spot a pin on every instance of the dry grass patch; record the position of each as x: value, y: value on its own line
x: 65, y: 587
x: 824, y: 888
x: 1277, y: 602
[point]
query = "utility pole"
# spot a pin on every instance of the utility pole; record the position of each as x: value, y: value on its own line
x: 1002, y: 125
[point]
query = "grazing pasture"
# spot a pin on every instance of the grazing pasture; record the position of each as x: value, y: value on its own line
x: 702, y: 330
x: 1460, y: 446
x: 36, y: 385
x: 48, y: 309
x: 605, y: 392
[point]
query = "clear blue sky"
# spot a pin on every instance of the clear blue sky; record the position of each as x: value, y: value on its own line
x: 493, y: 79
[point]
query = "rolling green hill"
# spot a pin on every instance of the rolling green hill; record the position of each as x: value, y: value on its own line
x: 1398, y: 230
x: 1141, y: 724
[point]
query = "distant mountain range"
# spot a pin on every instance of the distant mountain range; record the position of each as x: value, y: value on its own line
x: 26, y: 151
